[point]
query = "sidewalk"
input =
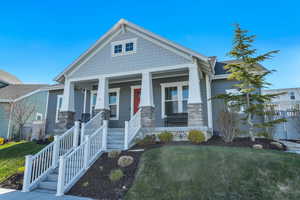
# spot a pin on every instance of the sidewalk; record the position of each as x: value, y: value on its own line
x: 8, y: 194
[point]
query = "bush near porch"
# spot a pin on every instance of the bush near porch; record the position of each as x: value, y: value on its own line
x: 12, y: 156
x: 211, y: 172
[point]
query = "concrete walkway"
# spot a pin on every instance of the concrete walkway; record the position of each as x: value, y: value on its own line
x: 8, y: 194
x: 292, y: 147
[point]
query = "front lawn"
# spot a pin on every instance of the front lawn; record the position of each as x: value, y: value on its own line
x: 12, y: 156
x: 211, y: 172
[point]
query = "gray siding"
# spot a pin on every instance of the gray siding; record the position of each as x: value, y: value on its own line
x: 52, y: 104
x: 4, y: 118
x: 148, y: 55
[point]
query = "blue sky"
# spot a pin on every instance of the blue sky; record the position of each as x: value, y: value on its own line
x: 38, y: 39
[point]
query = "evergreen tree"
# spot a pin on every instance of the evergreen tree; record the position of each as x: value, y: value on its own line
x: 250, y: 75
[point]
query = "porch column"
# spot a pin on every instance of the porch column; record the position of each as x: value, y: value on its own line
x: 102, y: 98
x: 146, y: 104
x: 209, y: 101
x: 195, y: 110
x: 67, y: 113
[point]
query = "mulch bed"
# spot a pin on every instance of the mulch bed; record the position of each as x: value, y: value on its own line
x: 13, y: 182
x: 96, y: 183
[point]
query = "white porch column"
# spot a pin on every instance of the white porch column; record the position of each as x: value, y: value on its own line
x: 147, y: 90
x: 67, y: 112
x: 68, y: 97
x: 146, y: 104
x: 195, y: 110
x: 102, y: 98
x: 209, y: 101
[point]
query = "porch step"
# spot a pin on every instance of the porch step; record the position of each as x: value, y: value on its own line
x: 45, y: 191
x: 52, y: 177
x: 48, y: 185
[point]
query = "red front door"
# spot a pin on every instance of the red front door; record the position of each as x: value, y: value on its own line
x: 136, y: 99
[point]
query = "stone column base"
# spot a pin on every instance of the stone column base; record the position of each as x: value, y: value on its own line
x: 66, y: 119
x: 104, y: 115
x: 195, y: 114
x: 147, y: 117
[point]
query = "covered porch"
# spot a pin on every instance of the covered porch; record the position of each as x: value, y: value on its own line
x: 167, y: 97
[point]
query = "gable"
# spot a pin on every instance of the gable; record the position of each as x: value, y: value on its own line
x: 148, y: 55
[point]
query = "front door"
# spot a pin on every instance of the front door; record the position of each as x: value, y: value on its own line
x: 136, y: 99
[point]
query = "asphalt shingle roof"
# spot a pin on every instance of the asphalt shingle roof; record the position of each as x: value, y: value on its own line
x: 8, y: 78
x: 12, y: 92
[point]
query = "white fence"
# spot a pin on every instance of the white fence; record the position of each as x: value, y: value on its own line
x: 132, y: 127
x: 40, y: 164
x: 73, y: 166
x: 91, y: 126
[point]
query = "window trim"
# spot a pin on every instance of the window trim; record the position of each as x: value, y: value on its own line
x: 180, y: 99
x: 57, y: 107
x: 38, y: 115
x: 123, y: 43
x: 117, y: 90
x: 234, y: 91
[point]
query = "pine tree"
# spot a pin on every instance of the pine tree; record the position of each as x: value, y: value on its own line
x: 250, y: 75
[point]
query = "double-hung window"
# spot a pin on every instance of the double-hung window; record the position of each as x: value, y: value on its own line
x: 232, y: 104
x: 58, y: 106
x: 174, y: 98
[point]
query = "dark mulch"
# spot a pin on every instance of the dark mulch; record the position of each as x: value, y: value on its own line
x: 13, y: 182
x: 96, y: 183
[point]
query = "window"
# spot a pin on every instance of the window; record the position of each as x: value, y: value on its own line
x: 58, y: 106
x: 118, y: 49
x: 232, y: 108
x: 113, y: 102
x: 39, y: 117
x: 124, y: 47
x: 174, y: 98
x: 292, y: 95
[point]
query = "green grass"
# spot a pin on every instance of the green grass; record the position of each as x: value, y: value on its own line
x: 215, y: 173
x: 12, y: 156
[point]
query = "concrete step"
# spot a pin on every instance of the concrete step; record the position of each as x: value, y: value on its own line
x: 46, y: 191
x: 113, y: 146
x: 48, y: 185
x: 52, y: 177
x: 115, y: 142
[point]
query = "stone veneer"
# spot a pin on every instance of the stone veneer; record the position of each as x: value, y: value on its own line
x: 147, y: 117
x: 104, y: 115
x: 66, y: 120
x: 195, y: 114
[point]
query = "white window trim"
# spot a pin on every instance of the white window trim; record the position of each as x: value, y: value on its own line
x: 179, y: 86
x: 235, y: 92
x: 123, y: 43
x: 117, y: 90
x: 57, y: 107
x: 38, y: 115
x: 132, y: 98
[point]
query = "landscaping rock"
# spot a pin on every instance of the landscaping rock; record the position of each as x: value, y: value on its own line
x: 277, y: 144
x: 257, y: 146
x: 125, y: 161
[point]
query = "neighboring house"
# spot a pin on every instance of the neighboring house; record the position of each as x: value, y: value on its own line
x: 290, y: 100
x: 7, y: 78
x: 138, y: 70
x: 25, y: 94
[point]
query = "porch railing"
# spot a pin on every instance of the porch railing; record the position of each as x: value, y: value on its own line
x: 75, y: 164
x: 91, y: 126
x: 39, y: 165
x: 132, y: 127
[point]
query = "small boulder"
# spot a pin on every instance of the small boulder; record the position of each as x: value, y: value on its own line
x: 125, y: 161
x: 277, y: 144
x: 114, y: 154
x: 257, y: 146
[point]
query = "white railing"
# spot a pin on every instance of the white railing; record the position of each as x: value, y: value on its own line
x: 75, y: 164
x: 39, y: 165
x: 132, y: 127
x: 91, y: 126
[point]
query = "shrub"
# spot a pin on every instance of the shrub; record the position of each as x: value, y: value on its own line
x: 264, y: 134
x: 51, y: 138
x: 115, y: 175
x: 196, y: 136
x: 228, y: 123
x: 148, y: 139
x: 21, y: 170
x: 125, y: 161
x: 113, y: 154
x: 165, y: 137
x: 2, y: 140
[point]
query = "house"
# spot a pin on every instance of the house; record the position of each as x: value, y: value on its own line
x: 15, y: 97
x: 288, y: 100
x: 130, y: 83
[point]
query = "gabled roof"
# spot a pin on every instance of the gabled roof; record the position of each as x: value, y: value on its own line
x: 126, y: 24
x: 13, y: 92
x: 8, y: 78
